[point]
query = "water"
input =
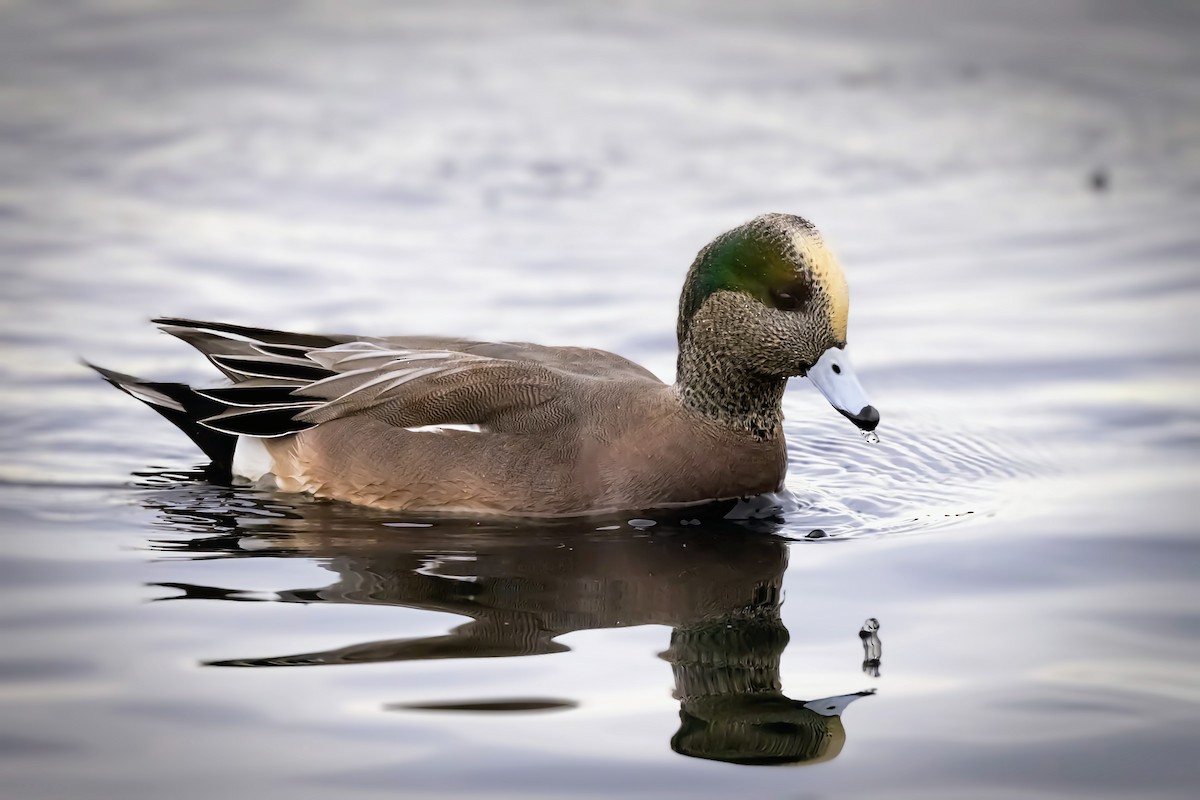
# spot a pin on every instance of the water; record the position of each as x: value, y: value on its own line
x: 1023, y: 533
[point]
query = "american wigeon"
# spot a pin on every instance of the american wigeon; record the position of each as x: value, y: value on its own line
x: 441, y: 424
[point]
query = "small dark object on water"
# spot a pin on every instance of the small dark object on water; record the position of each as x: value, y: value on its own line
x: 816, y: 533
x: 872, y: 647
x: 1098, y: 180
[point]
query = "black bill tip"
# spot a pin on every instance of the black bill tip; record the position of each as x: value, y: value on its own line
x: 867, y: 419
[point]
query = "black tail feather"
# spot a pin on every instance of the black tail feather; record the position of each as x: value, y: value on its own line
x: 262, y: 335
x: 184, y: 408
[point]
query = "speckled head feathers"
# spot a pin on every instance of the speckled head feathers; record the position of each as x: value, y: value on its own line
x: 772, y: 280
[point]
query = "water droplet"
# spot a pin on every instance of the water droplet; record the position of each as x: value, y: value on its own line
x: 871, y: 436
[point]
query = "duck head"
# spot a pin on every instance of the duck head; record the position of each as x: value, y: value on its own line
x: 762, y: 303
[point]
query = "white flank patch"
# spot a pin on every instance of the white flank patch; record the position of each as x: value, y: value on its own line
x: 444, y: 428
x: 251, y: 461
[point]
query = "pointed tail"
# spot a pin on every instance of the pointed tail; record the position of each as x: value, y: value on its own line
x: 184, y: 408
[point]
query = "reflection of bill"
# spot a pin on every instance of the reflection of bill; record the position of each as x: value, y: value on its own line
x: 717, y: 585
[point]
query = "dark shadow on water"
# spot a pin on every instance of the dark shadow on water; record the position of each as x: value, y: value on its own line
x: 716, y: 584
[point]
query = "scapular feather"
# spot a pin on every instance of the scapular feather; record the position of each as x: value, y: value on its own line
x: 271, y: 367
x: 267, y: 422
x: 256, y: 396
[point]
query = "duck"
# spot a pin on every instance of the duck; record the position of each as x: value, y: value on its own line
x: 442, y: 424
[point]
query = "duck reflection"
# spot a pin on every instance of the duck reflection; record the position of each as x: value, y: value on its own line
x: 732, y: 707
x: 718, y: 585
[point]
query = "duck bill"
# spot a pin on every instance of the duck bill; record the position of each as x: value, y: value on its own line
x: 834, y: 376
x: 834, y: 706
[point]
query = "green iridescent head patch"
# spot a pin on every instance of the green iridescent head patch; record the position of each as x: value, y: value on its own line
x: 779, y: 259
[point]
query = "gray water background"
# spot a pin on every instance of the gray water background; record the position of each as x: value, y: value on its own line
x: 1025, y: 532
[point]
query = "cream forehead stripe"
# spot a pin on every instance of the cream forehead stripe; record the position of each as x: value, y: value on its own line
x: 826, y: 272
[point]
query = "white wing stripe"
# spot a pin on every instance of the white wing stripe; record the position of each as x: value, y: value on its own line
x: 413, y: 374
x: 383, y: 378
x: 341, y: 376
x: 389, y: 354
x: 396, y: 377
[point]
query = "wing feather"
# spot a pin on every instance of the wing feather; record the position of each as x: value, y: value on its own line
x: 266, y: 422
x: 270, y: 367
x: 284, y: 383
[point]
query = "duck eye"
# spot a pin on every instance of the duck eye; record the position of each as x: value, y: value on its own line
x: 793, y: 298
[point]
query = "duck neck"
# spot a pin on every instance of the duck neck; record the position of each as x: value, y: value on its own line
x: 735, y: 398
